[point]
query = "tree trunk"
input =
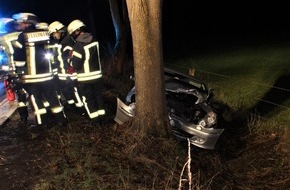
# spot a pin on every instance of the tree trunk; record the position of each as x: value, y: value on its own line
x: 145, y: 19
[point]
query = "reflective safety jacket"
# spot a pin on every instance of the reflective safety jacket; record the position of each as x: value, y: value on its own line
x: 86, y: 58
x: 30, y: 56
x: 67, y: 44
x: 55, y: 59
x: 7, y: 40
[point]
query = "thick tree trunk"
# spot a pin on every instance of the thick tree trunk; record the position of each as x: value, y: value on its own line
x: 145, y: 19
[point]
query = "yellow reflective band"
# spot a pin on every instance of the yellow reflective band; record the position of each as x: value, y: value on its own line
x: 93, y: 115
x: 37, y: 80
x: 57, y: 109
x: 78, y: 55
x: 46, y: 104
x: 79, y: 102
x: 67, y: 48
x: 19, y: 63
x: 89, y: 76
x: 70, y: 101
x: 21, y: 104
x: 101, y: 112
x: 40, y: 111
x: 17, y: 44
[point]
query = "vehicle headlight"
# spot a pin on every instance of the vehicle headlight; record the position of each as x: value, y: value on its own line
x: 132, y: 108
x: 202, y: 123
x: 211, y: 118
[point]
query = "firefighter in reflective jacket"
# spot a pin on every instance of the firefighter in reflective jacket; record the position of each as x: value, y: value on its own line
x: 86, y: 63
x: 35, y: 70
x: 61, y: 44
x: 8, y: 41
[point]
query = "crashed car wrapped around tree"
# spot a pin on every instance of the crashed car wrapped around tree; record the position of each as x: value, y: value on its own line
x: 189, y: 107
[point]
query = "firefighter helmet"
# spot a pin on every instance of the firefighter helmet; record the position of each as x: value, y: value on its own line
x: 26, y: 17
x: 7, y: 25
x: 74, y: 25
x: 55, y: 26
x: 42, y: 25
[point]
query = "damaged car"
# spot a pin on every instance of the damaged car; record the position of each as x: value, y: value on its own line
x: 190, y: 110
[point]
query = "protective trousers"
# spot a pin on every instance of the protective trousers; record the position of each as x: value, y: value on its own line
x: 91, y: 92
x: 45, y: 92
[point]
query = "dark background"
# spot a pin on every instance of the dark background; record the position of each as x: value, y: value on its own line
x: 186, y: 23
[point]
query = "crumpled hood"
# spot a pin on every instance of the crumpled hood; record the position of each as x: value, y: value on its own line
x: 85, y: 38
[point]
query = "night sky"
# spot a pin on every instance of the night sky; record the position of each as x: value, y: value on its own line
x: 186, y: 22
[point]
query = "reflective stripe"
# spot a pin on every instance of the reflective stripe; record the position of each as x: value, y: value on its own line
x: 17, y: 44
x: 21, y: 104
x: 31, y: 63
x: 55, y: 71
x: 36, y: 78
x: 64, y: 76
x: 79, y: 102
x: 89, y: 76
x: 78, y: 55
x: 87, y: 54
x: 37, y: 112
x: 93, y: 115
x: 19, y: 63
x: 57, y: 109
x: 70, y: 101
x: 67, y: 48
x: 101, y: 112
x: 46, y: 104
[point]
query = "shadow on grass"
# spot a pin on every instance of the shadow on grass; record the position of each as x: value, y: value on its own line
x: 236, y: 129
x: 273, y: 100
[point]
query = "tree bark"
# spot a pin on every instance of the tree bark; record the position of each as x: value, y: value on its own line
x: 146, y: 23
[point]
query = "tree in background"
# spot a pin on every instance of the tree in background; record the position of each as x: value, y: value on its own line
x: 120, y: 20
x: 146, y: 27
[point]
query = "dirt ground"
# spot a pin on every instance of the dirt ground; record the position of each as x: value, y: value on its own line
x: 21, y: 159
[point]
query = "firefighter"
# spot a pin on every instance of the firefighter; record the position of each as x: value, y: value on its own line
x: 86, y: 63
x: 9, y: 40
x: 61, y: 44
x: 34, y: 70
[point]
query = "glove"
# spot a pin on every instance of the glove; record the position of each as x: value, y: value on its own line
x: 70, y: 70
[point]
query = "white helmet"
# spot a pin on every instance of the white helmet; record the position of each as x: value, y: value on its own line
x: 55, y: 26
x: 74, y: 25
x: 42, y: 25
x: 4, y: 21
x: 7, y: 25
x: 26, y: 17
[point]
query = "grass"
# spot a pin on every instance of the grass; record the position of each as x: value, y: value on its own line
x: 243, y: 77
x: 253, y: 152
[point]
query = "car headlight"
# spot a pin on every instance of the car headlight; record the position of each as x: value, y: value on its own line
x: 211, y: 119
x: 132, y: 108
x: 202, y: 123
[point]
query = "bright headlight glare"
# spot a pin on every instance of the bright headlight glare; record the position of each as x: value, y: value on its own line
x: 48, y: 56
